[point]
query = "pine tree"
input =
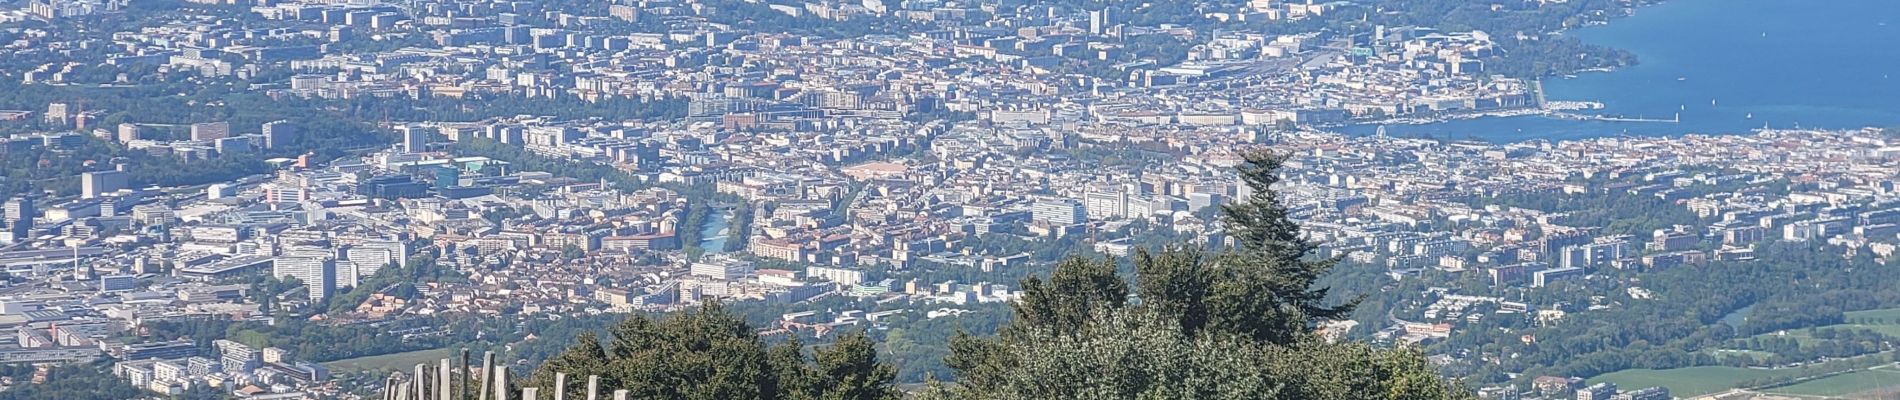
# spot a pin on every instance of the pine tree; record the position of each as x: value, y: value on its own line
x: 1262, y: 287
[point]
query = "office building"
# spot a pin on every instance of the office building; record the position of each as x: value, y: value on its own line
x: 128, y: 132
x: 1554, y: 275
x: 551, y: 135
x: 722, y: 269
x: 117, y: 283
x: 415, y: 139
x: 1059, y: 212
x: 59, y: 114
x: 1099, y: 21
x: 21, y: 209
x: 286, y: 194
x: 237, y: 358
x: 94, y: 184
x: 843, y: 276
x: 171, y: 350
x: 276, y: 355
x: 278, y: 133
x: 233, y: 145
x: 447, y: 177
x: 372, y: 256
x: 315, y: 267
x: 1649, y: 393
x: 209, y: 131
x: 1600, y: 391
x: 1106, y: 205
x: 219, y: 191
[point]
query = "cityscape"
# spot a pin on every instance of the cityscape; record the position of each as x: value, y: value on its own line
x: 344, y: 199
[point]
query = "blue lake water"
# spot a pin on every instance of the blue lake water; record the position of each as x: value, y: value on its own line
x: 1727, y: 66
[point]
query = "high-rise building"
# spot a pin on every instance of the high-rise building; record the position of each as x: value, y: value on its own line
x: 20, y: 209
x: 278, y: 133
x: 59, y: 113
x: 1099, y: 21
x: 209, y: 131
x: 19, y: 219
x: 128, y: 132
x: 1106, y: 205
x: 348, y: 274
x: 373, y: 255
x: 315, y: 267
x: 414, y: 139
x: 1378, y: 37
x: 1060, y: 212
x: 93, y: 184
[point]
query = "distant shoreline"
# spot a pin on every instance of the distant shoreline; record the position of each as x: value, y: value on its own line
x: 1681, y: 76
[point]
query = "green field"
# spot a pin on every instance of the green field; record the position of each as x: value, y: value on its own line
x: 1890, y: 315
x: 1801, y: 335
x: 1885, y: 329
x: 393, y: 361
x: 1844, y: 384
x: 1885, y: 321
x: 1686, y: 382
x: 1695, y: 381
x: 1757, y: 355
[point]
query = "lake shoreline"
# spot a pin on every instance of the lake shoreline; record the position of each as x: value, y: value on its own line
x: 1728, y: 67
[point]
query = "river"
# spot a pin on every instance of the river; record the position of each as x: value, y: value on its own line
x: 713, y: 235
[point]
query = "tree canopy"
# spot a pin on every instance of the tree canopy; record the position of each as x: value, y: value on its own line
x: 1236, y: 323
x: 711, y: 353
